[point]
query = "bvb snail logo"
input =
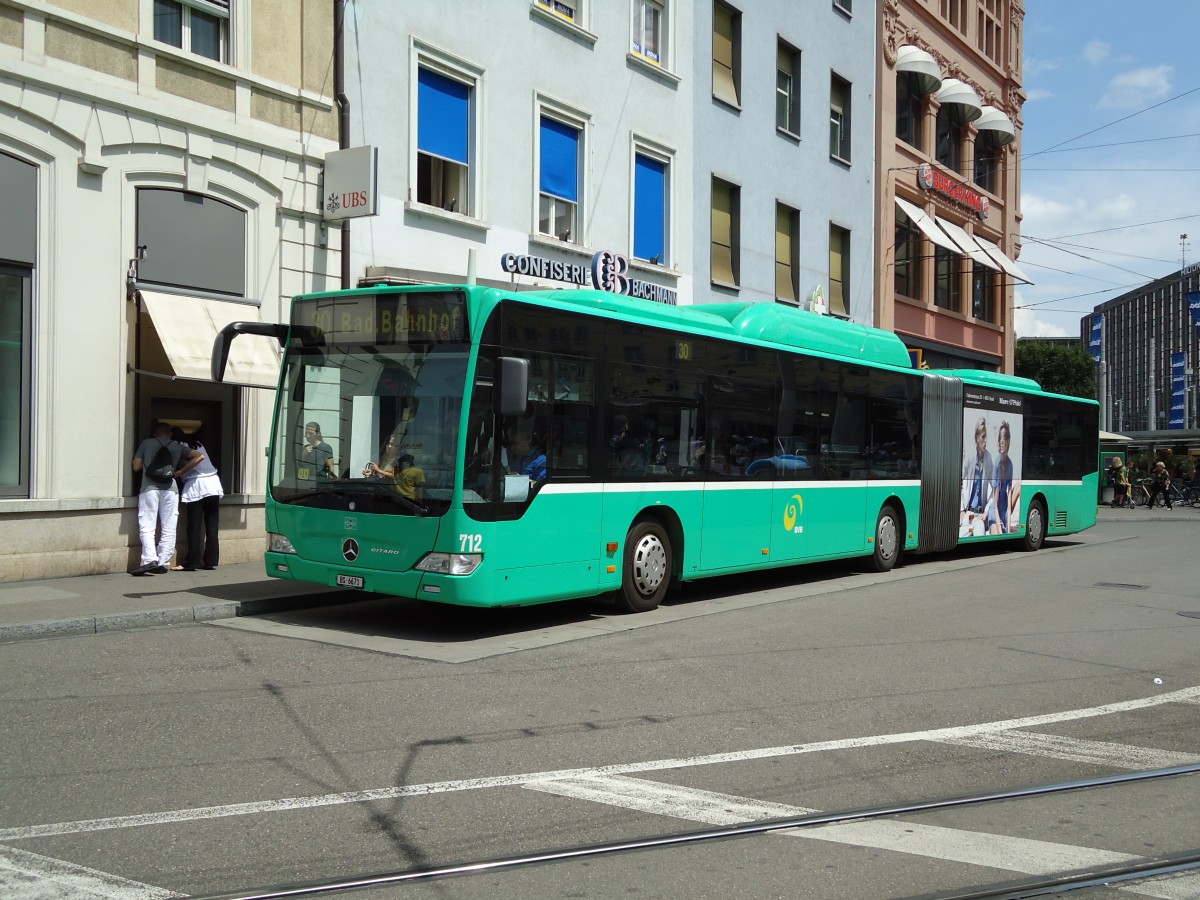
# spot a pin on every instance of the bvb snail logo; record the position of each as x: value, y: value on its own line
x: 792, y: 511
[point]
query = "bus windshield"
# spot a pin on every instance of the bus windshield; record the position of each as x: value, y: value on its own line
x: 368, y: 410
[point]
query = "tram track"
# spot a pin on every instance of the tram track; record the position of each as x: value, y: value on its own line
x: 1141, y: 869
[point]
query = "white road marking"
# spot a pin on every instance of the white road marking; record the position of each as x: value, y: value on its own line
x: 691, y: 804
x: 25, y: 832
x: 1101, y: 753
x: 996, y: 851
x: 30, y: 876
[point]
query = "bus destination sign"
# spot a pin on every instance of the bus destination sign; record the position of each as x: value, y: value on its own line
x: 434, y: 317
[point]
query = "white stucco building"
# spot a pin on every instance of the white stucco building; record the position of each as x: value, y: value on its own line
x: 162, y: 164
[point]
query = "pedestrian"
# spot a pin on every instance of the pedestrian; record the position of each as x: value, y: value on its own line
x: 316, y: 457
x: 1118, y: 477
x: 201, y: 499
x: 160, y: 461
x: 1160, y: 483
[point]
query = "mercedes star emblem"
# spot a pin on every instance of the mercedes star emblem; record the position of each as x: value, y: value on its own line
x: 350, y: 549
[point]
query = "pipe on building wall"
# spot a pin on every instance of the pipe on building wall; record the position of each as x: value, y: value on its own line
x: 343, y: 102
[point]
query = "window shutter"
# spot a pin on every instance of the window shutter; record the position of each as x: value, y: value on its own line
x: 559, y: 160
x: 649, y: 207
x: 443, y: 116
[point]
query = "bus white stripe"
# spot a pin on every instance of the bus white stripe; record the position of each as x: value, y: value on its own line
x: 24, y: 832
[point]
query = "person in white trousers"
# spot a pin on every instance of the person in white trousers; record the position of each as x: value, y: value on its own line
x: 158, y: 500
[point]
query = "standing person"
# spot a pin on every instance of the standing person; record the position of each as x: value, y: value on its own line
x: 159, y: 460
x: 316, y: 459
x: 410, y: 479
x: 1160, y: 481
x: 201, y: 498
x: 1119, y: 477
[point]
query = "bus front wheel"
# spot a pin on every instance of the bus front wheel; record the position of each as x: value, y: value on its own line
x: 1035, y: 527
x: 647, y: 570
x: 887, y: 540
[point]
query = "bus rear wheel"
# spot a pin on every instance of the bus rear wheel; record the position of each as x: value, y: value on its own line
x: 1035, y: 527
x: 646, y: 574
x: 887, y: 540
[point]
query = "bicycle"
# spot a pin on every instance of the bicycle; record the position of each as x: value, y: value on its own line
x: 1140, y: 494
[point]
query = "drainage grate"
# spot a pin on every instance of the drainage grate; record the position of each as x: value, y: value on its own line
x: 1123, y: 587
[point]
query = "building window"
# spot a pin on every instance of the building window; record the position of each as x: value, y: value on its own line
x: 650, y: 205
x: 990, y: 32
x: 649, y: 31
x: 172, y: 224
x: 444, y: 115
x: 845, y: 6
x: 726, y: 54
x: 947, y: 290
x: 839, y: 269
x: 908, y: 257
x: 983, y: 293
x: 839, y: 118
x: 910, y: 109
x: 988, y: 154
x: 724, y: 263
x: 787, y: 88
x: 201, y: 27
x: 954, y: 12
x: 949, y: 138
x: 572, y: 12
x: 19, y: 246
x: 787, y: 253
x: 558, y: 179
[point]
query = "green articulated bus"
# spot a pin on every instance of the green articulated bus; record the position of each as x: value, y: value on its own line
x: 487, y: 447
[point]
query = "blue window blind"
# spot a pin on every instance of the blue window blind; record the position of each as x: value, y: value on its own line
x: 443, y: 116
x: 560, y: 160
x: 649, y: 207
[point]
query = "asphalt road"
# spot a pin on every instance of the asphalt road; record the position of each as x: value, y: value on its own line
x: 388, y: 735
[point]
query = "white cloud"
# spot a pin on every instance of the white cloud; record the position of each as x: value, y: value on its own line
x: 1039, y: 94
x: 1029, y: 325
x: 1130, y: 90
x: 1096, y: 51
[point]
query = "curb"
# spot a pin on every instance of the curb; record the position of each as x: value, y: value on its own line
x: 148, y: 618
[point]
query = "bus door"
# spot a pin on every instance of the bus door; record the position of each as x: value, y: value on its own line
x: 738, y: 501
x: 835, y: 509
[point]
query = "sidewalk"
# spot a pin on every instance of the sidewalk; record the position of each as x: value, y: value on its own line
x: 89, y: 604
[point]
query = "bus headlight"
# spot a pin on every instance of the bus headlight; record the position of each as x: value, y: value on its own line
x: 278, y: 543
x: 450, y: 563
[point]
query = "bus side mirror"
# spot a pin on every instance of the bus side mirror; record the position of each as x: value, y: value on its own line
x: 514, y: 386
x: 220, y: 353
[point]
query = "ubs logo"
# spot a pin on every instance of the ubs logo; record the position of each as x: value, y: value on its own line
x: 350, y: 549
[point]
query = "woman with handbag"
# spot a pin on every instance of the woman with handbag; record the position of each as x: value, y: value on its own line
x: 201, y: 498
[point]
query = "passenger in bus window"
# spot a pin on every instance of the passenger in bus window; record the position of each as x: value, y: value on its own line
x: 409, y: 478
x: 386, y: 467
x: 316, y: 459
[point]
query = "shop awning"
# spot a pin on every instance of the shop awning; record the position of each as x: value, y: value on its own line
x: 960, y: 95
x: 1113, y: 438
x: 917, y: 62
x: 925, y: 222
x: 187, y: 326
x: 967, y: 245
x: 1006, y: 262
x: 998, y: 124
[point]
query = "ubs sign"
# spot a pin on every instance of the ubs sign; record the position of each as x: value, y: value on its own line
x: 608, y: 272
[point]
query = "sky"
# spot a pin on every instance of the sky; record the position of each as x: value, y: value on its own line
x: 1110, y: 153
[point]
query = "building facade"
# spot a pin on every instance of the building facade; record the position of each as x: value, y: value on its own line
x: 162, y: 164
x: 1147, y: 344
x: 783, y: 154
x: 522, y: 146
x: 948, y: 178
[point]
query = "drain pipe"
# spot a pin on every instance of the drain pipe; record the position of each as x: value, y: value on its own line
x: 343, y: 102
